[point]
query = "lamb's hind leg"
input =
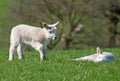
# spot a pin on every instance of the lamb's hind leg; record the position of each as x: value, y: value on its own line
x: 82, y: 58
x: 20, y: 52
x: 11, y: 51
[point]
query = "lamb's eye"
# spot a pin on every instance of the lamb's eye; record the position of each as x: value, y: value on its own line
x: 50, y: 31
x: 48, y: 28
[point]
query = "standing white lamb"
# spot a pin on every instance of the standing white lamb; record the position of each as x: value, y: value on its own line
x: 37, y: 37
x: 97, y: 57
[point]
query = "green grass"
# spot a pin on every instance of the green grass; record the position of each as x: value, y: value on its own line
x: 58, y: 68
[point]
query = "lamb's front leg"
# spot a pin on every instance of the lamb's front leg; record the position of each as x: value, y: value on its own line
x: 40, y: 48
x: 42, y: 54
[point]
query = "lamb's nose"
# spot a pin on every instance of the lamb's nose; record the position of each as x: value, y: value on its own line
x: 55, y: 38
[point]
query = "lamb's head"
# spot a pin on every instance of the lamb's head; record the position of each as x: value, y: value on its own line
x: 100, y: 58
x: 50, y: 30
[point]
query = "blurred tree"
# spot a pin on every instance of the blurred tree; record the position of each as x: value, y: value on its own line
x: 109, y: 9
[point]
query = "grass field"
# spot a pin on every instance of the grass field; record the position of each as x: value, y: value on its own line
x: 58, y: 68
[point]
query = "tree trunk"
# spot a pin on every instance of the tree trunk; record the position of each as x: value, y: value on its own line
x: 112, y: 23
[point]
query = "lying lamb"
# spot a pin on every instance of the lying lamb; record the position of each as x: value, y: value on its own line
x: 37, y: 37
x: 97, y: 57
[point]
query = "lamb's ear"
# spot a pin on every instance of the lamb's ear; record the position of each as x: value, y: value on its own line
x: 44, y: 25
x: 56, y: 23
x: 98, y: 50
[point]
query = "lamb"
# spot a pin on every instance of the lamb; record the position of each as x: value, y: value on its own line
x: 97, y: 57
x: 37, y: 37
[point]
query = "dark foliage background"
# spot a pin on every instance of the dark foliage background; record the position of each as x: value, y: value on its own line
x: 83, y: 23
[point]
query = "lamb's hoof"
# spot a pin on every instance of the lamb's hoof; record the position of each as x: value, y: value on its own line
x: 20, y: 58
x: 10, y: 59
